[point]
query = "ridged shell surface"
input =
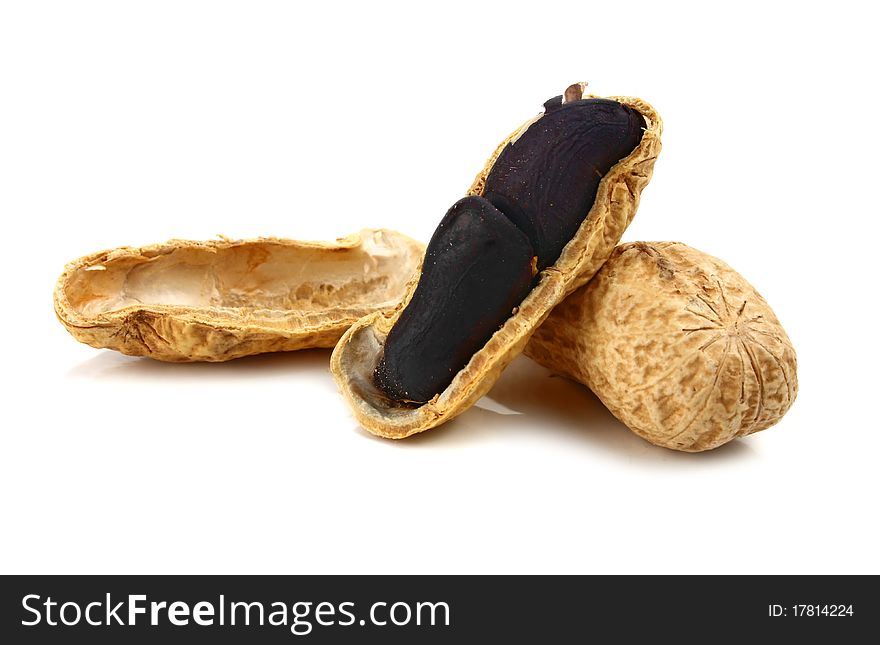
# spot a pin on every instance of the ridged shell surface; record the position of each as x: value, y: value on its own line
x: 678, y: 345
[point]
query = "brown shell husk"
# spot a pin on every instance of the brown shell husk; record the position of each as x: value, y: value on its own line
x: 223, y: 299
x: 355, y: 357
x: 676, y: 344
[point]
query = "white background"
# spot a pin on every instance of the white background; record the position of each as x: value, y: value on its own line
x: 131, y: 123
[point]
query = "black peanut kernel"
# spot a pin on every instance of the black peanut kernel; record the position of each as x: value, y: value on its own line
x: 546, y: 181
x: 477, y: 268
x: 481, y: 260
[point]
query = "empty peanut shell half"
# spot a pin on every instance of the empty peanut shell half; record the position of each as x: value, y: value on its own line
x: 223, y: 299
x: 676, y: 344
x: 355, y: 358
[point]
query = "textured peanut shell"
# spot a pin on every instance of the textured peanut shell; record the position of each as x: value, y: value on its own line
x: 358, y: 351
x: 223, y: 299
x: 676, y: 344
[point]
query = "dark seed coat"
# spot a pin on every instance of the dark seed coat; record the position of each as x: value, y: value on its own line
x: 546, y: 180
x: 478, y: 265
x: 477, y: 268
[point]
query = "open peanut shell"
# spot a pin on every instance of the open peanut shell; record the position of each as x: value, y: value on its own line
x: 355, y: 357
x: 223, y: 299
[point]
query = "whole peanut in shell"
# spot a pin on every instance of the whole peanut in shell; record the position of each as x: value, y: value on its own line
x: 676, y: 344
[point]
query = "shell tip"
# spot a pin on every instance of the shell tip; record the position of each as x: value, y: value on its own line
x: 574, y: 92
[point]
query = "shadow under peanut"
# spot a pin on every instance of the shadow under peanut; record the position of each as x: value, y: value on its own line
x: 529, y: 399
x: 112, y: 365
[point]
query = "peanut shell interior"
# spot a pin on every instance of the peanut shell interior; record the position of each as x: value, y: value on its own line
x: 223, y: 299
